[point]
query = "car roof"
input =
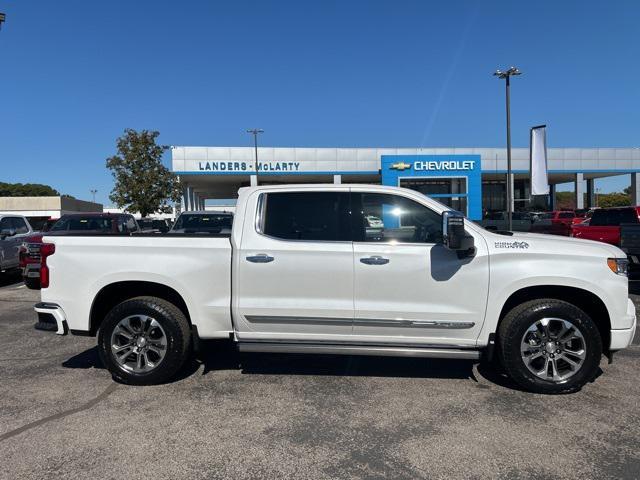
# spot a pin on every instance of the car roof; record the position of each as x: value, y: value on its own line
x: 96, y: 214
x: 206, y: 212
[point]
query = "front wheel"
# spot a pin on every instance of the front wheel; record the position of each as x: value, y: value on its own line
x: 549, y: 346
x: 144, y: 341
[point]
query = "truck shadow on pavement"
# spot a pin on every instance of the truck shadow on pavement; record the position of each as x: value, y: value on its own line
x: 219, y: 356
x: 10, y: 278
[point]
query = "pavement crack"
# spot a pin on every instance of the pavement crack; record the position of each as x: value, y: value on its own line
x: 91, y: 403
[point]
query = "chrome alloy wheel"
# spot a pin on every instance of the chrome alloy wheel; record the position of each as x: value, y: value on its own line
x: 138, y: 343
x: 553, y: 349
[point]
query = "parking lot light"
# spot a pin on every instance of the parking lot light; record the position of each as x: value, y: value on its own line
x: 255, y: 132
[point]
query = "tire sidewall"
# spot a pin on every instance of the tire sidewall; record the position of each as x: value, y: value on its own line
x: 511, y: 344
x: 175, y: 353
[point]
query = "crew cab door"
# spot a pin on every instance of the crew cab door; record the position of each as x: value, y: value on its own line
x: 409, y: 288
x: 293, y: 269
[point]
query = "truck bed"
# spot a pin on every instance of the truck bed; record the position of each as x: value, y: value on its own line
x: 197, y: 267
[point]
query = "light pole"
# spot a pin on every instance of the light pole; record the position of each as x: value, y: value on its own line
x: 93, y: 193
x: 255, y: 132
x: 506, y: 76
x: 2, y: 18
x: 598, y: 190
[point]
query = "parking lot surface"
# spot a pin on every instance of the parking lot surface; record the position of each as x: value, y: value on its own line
x: 293, y: 416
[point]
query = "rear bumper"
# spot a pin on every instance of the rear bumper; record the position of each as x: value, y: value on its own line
x: 622, y: 338
x: 50, y: 315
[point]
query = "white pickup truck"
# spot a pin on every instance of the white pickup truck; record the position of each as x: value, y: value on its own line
x: 303, y: 270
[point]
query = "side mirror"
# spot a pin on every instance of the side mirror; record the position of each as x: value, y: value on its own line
x: 7, y: 232
x: 454, y: 236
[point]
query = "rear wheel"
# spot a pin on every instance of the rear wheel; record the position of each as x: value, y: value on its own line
x: 144, y: 341
x: 549, y: 346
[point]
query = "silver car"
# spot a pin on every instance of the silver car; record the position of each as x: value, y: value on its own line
x: 13, y: 229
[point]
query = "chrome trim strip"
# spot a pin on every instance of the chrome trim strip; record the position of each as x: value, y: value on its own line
x: 304, y: 320
x: 361, y: 321
x: 388, y: 351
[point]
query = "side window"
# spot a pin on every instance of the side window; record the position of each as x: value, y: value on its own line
x: 385, y: 217
x: 6, y: 223
x: 566, y: 215
x: 306, y: 215
x: 132, y: 226
x: 121, y: 225
x: 20, y: 225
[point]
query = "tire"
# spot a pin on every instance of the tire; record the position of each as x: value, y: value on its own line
x: 537, y: 357
x: 152, y: 339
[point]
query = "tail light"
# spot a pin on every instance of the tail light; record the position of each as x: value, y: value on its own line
x: 46, y: 250
x: 22, y: 255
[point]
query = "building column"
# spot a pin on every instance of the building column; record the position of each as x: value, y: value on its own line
x: 253, y: 180
x: 337, y: 179
x: 552, y: 197
x: 635, y: 189
x: 192, y: 198
x: 579, y: 190
x: 591, y: 193
x: 184, y: 203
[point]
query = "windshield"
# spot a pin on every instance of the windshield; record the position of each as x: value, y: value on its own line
x: 90, y: 224
x: 214, y: 223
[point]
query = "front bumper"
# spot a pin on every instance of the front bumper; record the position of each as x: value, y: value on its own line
x: 51, y: 318
x: 622, y: 338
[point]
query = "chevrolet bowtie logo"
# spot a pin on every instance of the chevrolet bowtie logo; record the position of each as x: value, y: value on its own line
x: 400, y: 166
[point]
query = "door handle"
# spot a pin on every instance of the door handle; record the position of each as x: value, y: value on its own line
x: 260, y: 258
x: 374, y: 260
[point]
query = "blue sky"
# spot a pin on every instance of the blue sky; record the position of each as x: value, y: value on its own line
x: 74, y: 74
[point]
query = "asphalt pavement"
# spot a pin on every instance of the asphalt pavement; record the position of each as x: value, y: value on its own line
x: 296, y: 416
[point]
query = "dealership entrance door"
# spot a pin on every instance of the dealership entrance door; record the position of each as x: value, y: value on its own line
x: 452, y: 191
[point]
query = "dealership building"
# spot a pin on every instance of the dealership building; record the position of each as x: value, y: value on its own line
x: 471, y: 180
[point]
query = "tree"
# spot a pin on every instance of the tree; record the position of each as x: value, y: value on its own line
x: 27, y: 190
x: 142, y: 183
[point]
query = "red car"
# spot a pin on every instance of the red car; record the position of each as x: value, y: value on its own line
x: 557, y: 222
x: 115, y: 223
x: 604, y: 225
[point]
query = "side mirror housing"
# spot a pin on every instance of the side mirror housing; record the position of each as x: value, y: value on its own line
x: 453, y: 234
x: 7, y: 232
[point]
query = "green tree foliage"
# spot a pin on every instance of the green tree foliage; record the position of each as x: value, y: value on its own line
x: 142, y: 183
x: 615, y: 199
x: 27, y: 190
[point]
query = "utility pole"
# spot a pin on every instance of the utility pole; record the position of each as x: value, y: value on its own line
x: 255, y: 132
x: 506, y: 76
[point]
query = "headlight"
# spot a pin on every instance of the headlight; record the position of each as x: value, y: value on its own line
x: 619, y: 265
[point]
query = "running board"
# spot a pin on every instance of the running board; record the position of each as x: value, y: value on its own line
x: 373, y: 350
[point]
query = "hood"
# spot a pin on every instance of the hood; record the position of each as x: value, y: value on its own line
x: 542, y: 243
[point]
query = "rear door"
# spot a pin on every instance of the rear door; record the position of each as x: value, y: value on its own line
x: 293, y: 269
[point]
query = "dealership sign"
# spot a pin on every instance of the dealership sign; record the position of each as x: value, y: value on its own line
x: 435, y: 165
x: 248, y: 166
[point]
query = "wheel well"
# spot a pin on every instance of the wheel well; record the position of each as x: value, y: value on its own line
x: 587, y: 301
x: 116, y: 293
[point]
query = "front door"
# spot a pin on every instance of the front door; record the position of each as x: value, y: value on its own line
x: 409, y: 288
x: 294, y: 267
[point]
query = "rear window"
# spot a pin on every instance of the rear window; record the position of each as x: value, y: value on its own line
x: 195, y: 223
x: 88, y: 224
x: 613, y: 217
x: 307, y: 216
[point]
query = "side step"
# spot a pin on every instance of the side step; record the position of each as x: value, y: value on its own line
x: 373, y: 350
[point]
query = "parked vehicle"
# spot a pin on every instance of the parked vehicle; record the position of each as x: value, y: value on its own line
x: 604, y: 224
x: 203, y: 222
x: 110, y: 223
x: 557, y: 222
x: 618, y: 226
x: 13, y: 229
x: 157, y: 225
x: 630, y: 244
x: 497, y: 221
x: 300, y: 272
